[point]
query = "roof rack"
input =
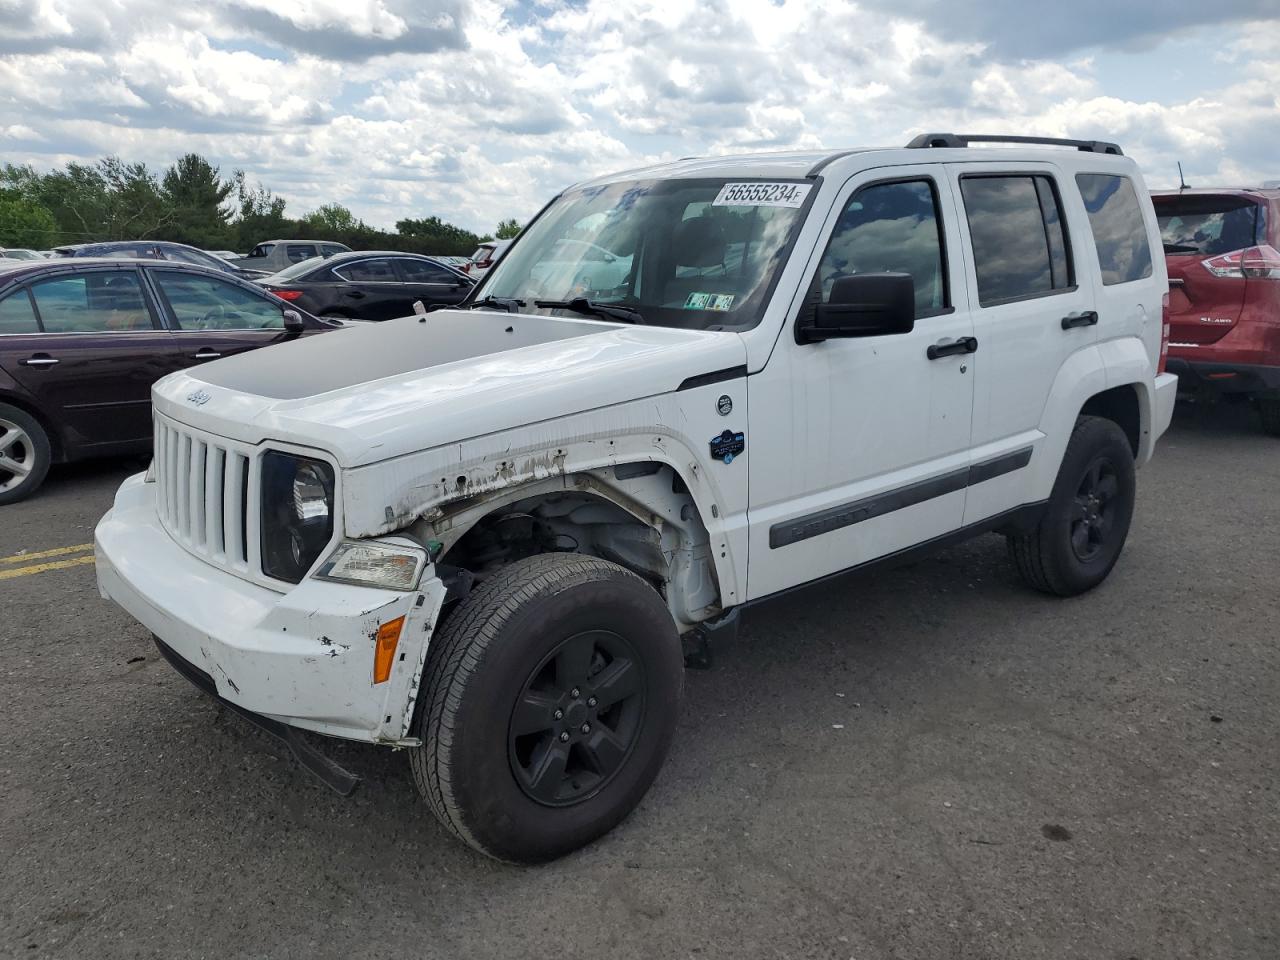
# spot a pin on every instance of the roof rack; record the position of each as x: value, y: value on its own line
x: 926, y: 140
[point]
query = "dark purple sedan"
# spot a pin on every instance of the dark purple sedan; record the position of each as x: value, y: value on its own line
x: 82, y: 341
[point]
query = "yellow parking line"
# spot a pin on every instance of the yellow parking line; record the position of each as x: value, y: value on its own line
x: 43, y: 554
x: 42, y: 567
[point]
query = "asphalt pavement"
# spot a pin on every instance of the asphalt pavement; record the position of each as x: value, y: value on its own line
x: 925, y: 763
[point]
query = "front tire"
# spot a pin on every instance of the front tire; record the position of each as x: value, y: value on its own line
x: 25, y: 454
x: 1079, y: 538
x: 549, y: 701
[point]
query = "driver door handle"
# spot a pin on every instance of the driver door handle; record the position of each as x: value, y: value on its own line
x: 206, y: 354
x: 944, y: 348
x: 1085, y: 319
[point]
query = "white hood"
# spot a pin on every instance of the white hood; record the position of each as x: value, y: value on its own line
x: 376, y: 391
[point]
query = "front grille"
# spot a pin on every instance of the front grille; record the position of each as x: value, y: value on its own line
x: 203, y: 493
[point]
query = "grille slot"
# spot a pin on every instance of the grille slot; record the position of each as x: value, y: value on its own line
x: 204, y: 486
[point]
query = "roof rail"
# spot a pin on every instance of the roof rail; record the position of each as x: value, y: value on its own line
x: 926, y: 140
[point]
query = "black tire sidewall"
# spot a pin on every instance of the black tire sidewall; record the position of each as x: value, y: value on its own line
x: 43, y: 451
x: 1094, y: 438
x: 496, y: 812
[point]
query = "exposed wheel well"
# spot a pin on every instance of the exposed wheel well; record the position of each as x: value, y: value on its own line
x: 640, y: 516
x: 1119, y: 404
x: 55, y: 439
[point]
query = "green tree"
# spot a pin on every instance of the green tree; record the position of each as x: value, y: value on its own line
x: 332, y: 218
x: 260, y: 214
x: 197, y: 198
x: 433, y: 235
x: 507, y: 229
x: 25, y: 224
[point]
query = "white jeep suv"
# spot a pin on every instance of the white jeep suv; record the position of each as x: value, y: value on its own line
x: 481, y: 534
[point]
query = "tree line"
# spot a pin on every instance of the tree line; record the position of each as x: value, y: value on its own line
x: 191, y: 202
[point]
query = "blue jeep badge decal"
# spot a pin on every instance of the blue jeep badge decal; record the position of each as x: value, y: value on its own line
x: 728, y: 445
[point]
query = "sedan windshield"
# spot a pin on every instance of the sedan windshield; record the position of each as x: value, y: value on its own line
x: 700, y: 253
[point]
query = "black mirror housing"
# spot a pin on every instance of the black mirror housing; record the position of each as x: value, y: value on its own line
x: 293, y: 321
x: 863, y: 305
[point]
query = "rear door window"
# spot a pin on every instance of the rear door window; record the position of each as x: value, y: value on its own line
x: 1208, y: 225
x: 1119, y: 232
x: 17, y: 314
x: 297, y: 252
x: 1019, y: 241
x: 105, y: 301
x: 424, y: 271
x: 368, y: 271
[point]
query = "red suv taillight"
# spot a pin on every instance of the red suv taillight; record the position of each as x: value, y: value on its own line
x: 1257, y: 263
x: 1164, y: 334
x: 286, y: 294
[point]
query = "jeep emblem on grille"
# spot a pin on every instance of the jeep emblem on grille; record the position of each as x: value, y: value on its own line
x: 199, y: 398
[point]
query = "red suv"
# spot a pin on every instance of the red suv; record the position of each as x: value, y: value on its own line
x: 1223, y: 252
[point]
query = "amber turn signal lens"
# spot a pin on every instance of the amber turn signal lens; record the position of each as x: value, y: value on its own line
x: 384, y: 653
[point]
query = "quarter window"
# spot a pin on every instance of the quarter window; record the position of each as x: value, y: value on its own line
x: 890, y: 228
x: 17, y: 315
x: 1019, y: 241
x: 203, y: 303
x: 100, y: 302
x: 1119, y: 232
x: 367, y: 271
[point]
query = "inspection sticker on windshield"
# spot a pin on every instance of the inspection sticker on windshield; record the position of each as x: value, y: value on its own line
x: 709, y: 301
x: 761, y: 195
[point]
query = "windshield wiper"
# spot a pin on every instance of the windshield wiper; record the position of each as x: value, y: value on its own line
x: 509, y: 304
x: 610, y: 311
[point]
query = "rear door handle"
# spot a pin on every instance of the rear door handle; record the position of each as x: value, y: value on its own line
x: 207, y: 354
x: 355, y: 294
x: 39, y: 360
x: 949, y: 349
x: 1086, y: 319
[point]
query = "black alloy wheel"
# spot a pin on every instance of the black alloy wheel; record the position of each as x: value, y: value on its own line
x: 577, y: 718
x: 1096, y: 505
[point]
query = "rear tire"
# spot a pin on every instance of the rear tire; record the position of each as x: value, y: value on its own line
x: 25, y: 454
x: 1079, y: 538
x: 548, y: 703
x: 1269, y: 412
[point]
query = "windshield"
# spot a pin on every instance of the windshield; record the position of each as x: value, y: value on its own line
x: 681, y: 253
x: 295, y: 270
x: 1207, y: 225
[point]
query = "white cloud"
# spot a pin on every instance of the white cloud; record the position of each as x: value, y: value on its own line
x: 482, y: 109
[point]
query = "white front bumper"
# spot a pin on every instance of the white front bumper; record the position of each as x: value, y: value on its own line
x: 304, y: 657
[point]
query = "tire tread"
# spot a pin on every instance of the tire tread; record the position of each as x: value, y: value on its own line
x: 457, y: 652
x: 1032, y: 552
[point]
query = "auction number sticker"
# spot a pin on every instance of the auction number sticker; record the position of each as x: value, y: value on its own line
x: 757, y: 194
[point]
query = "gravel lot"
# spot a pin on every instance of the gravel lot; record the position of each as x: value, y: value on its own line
x: 925, y: 763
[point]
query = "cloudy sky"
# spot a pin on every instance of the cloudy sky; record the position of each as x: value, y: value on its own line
x: 476, y: 110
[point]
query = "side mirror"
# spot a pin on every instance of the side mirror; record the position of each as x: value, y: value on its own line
x: 863, y: 305
x: 293, y: 321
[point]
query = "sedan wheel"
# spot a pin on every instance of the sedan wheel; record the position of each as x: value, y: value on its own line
x: 24, y: 454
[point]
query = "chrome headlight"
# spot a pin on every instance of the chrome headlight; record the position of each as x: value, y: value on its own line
x: 297, y: 513
x: 395, y: 566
